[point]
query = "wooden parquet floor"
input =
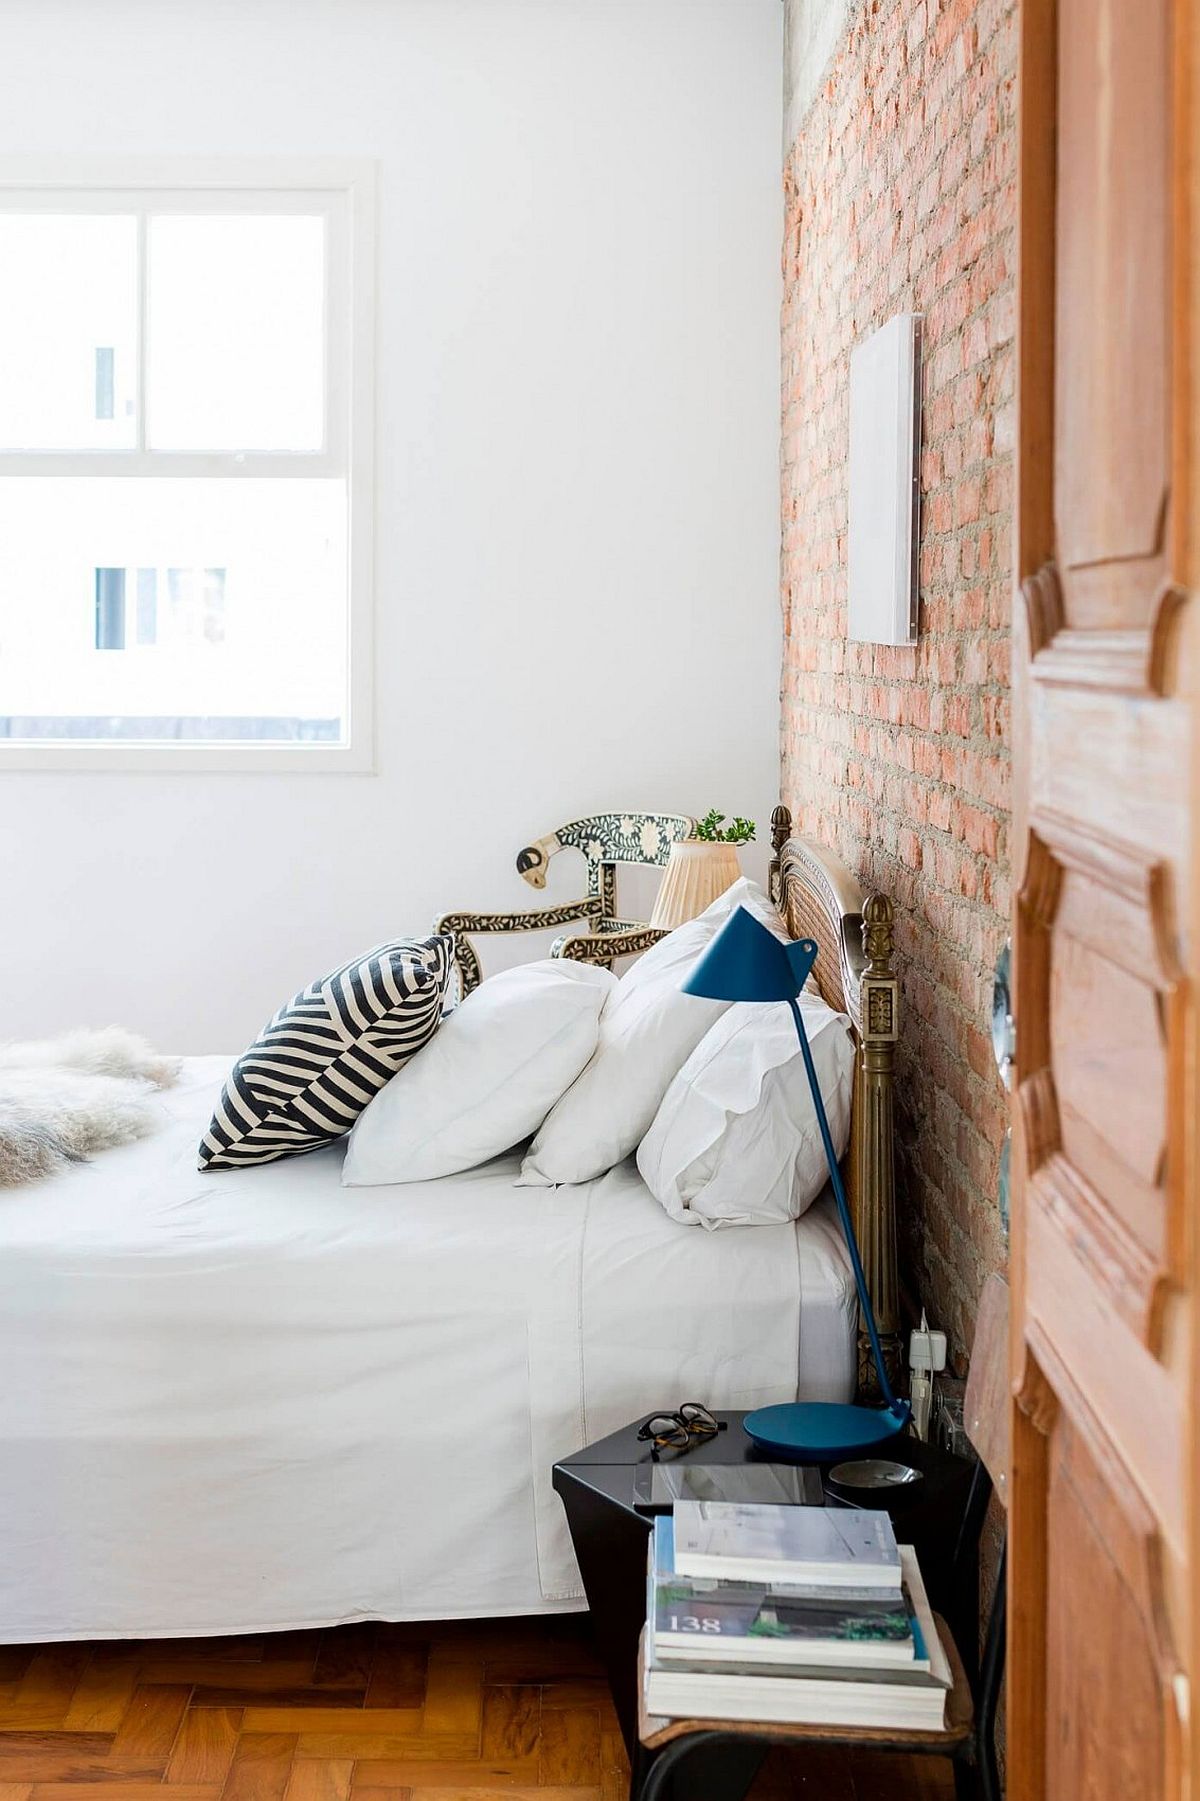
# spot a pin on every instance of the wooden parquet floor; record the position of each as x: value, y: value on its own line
x: 469, y: 1711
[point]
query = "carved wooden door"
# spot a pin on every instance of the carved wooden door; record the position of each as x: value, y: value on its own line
x: 1102, y: 723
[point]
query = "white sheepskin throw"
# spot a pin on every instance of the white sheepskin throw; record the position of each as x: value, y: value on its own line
x: 63, y: 1098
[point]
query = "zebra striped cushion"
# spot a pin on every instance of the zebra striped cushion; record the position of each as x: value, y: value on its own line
x: 311, y: 1071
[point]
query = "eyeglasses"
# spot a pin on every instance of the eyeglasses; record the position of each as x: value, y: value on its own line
x: 689, y: 1424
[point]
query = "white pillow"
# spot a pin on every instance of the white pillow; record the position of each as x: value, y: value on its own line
x: 736, y: 1140
x: 648, y: 1030
x: 488, y: 1077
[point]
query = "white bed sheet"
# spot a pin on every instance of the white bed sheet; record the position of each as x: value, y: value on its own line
x: 255, y: 1399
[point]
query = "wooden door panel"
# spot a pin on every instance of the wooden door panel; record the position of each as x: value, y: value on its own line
x: 1098, y: 996
x: 1112, y: 1722
x: 1096, y: 1709
x: 1110, y: 769
x: 1103, y: 720
x: 1111, y: 1384
x: 1113, y: 293
x: 1114, y: 1127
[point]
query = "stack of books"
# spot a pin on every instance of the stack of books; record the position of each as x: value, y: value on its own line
x: 804, y: 1615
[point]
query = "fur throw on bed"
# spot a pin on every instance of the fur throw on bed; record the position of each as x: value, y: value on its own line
x: 63, y: 1098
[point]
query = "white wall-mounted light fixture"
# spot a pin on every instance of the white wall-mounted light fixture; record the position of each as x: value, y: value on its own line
x: 885, y: 442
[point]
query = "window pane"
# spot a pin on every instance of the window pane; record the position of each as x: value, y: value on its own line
x: 195, y: 612
x: 68, y: 318
x: 236, y: 333
x: 110, y: 609
x: 147, y: 606
x: 173, y: 610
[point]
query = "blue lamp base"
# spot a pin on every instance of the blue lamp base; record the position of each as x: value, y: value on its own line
x: 824, y: 1431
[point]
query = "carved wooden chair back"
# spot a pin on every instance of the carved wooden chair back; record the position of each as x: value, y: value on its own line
x: 606, y: 840
x: 595, y: 933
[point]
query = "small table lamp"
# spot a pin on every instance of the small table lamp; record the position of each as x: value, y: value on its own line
x: 746, y: 962
x: 697, y: 871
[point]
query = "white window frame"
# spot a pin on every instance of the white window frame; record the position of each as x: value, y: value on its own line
x: 343, y: 191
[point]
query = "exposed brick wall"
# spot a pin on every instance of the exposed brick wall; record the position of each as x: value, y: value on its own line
x: 900, y: 196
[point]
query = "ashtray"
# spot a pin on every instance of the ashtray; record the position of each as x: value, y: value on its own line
x: 873, y: 1472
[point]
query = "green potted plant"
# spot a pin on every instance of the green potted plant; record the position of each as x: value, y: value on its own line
x: 700, y: 868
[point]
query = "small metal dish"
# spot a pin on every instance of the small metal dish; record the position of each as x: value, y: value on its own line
x: 873, y: 1472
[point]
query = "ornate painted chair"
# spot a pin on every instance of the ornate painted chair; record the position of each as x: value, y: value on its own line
x: 606, y: 840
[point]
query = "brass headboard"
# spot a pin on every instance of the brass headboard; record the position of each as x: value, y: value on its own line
x: 820, y: 899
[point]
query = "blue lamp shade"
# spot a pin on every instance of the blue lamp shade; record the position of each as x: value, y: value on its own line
x: 747, y: 962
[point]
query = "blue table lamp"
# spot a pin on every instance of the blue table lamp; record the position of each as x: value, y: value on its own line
x: 746, y: 962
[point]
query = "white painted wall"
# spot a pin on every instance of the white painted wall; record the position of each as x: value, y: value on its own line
x: 577, y: 538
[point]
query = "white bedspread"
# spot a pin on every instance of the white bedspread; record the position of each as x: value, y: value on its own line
x: 249, y: 1400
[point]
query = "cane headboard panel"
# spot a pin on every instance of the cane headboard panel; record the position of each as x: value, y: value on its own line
x: 820, y: 899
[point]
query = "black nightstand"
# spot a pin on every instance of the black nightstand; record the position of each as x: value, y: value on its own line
x: 609, y: 1534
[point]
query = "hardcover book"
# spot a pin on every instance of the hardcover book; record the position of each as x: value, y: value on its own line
x: 893, y: 1698
x: 836, y: 1547
x: 705, y: 1620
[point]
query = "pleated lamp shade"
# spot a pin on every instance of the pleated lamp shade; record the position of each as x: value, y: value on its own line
x: 697, y: 872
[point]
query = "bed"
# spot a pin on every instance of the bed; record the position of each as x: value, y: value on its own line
x: 268, y: 1401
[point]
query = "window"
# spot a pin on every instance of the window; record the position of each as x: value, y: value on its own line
x: 185, y: 464
x: 128, y: 610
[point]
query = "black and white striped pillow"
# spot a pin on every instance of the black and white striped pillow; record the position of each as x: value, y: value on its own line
x: 311, y: 1071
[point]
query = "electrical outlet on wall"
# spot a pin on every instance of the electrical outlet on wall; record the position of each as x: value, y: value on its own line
x: 926, y: 1359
